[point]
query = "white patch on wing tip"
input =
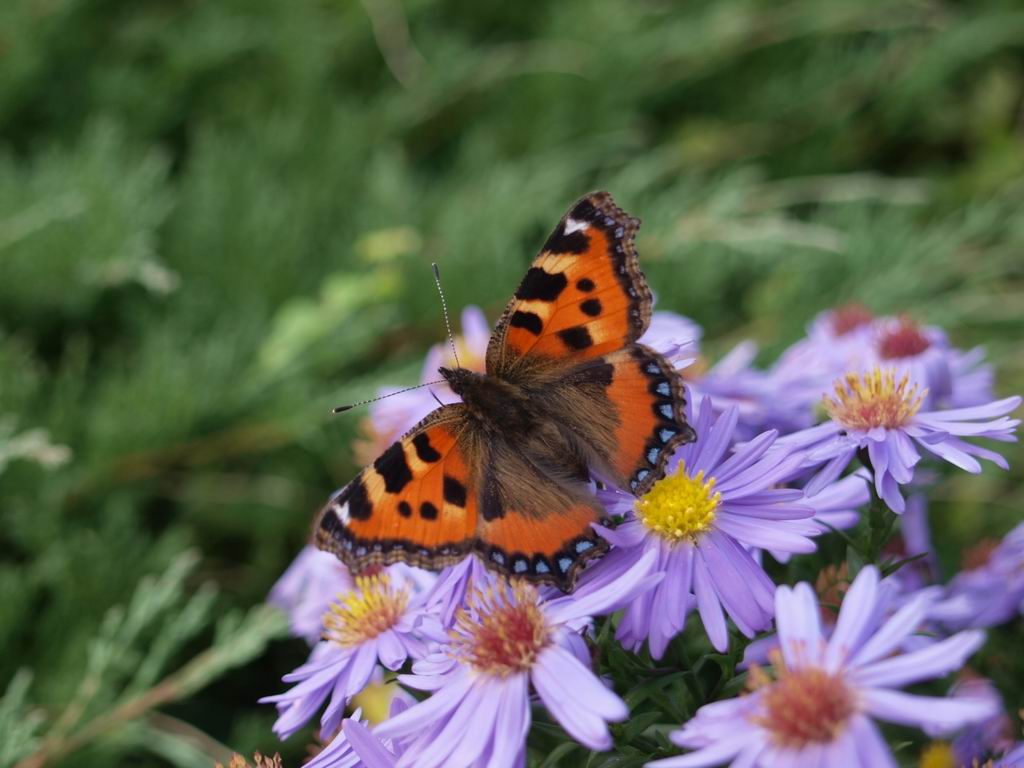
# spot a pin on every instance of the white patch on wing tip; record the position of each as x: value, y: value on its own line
x: 571, y: 225
x: 341, y: 510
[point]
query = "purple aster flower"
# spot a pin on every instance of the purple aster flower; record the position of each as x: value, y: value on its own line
x: 992, y: 736
x: 674, y: 336
x: 820, y: 707
x: 881, y: 414
x: 307, y: 588
x: 504, y: 640
x: 990, y: 591
x: 700, y: 520
x: 923, y: 354
x: 380, y: 619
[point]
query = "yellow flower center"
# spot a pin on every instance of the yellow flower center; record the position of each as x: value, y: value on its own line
x: 938, y: 754
x: 373, y: 607
x: 679, y: 506
x: 804, y: 706
x: 875, y: 399
x: 505, y: 632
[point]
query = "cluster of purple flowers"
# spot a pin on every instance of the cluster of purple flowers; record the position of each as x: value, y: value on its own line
x: 850, y: 415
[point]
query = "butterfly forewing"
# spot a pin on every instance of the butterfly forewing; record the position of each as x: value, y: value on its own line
x: 417, y: 503
x: 584, y: 295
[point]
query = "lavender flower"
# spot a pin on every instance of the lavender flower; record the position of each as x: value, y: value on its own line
x: 992, y: 591
x: 923, y: 354
x: 380, y: 619
x: 674, y: 336
x: 881, y: 414
x: 992, y: 736
x: 819, y: 709
x: 307, y: 588
x: 505, y: 639
x: 699, y: 520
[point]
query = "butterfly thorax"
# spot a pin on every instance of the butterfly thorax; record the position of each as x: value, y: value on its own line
x: 494, y: 403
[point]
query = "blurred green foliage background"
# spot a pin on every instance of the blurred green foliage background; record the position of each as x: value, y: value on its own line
x: 217, y: 219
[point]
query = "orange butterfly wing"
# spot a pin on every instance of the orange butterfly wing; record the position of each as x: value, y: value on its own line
x: 551, y: 550
x: 584, y: 295
x: 417, y: 503
x: 650, y: 400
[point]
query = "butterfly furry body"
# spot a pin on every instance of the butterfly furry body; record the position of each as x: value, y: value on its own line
x: 568, y: 393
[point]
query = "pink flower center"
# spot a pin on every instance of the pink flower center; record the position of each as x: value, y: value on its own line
x: 979, y: 555
x: 503, y: 630
x: 850, y: 317
x: 905, y: 340
x: 873, y: 400
x: 805, y: 706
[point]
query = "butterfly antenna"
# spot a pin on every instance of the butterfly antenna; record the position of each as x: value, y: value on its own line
x: 444, y: 309
x: 343, y: 408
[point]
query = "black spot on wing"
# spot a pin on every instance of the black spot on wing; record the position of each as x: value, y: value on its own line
x: 585, y: 284
x: 574, y: 242
x: 576, y: 338
x: 359, y: 506
x: 424, y: 450
x: 584, y: 210
x: 541, y: 285
x: 602, y: 374
x: 527, y: 320
x: 591, y: 307
x: 454, y: 491
x: 428, y: 511
x: 392, y: 466
x: 404, y: 509
x: 490, y: 503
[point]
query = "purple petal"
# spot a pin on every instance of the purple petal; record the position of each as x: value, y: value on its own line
x: 390, y: 650
x: 419, y: 716
x: 940, y: 715
x: 716, y: 443
x: 903, y: 623
x: 673, y: 600
x: 935, y: 660
x: 798, y: 622
x: 872, y: 750
x: 765, y: 535
x: 435, y: 752
x: 855, y: 615
x: 709, y: 607
x: 367, y: 746
x: 715, y: 754
x: 745, y: 456
x: 582, y: 724
x: 725, y: 561
x: 989, y: 411
x: 512, y: 723
x: 560, y: 668
x: 598, y: 597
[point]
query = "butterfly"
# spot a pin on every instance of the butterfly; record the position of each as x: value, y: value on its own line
x: 567, y: 393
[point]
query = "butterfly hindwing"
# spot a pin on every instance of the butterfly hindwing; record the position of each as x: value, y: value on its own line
x: 628, y: 407
x: 584, y: 295
x: 416, y: 503
x: 649, y: 399
x: 535, y: 523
